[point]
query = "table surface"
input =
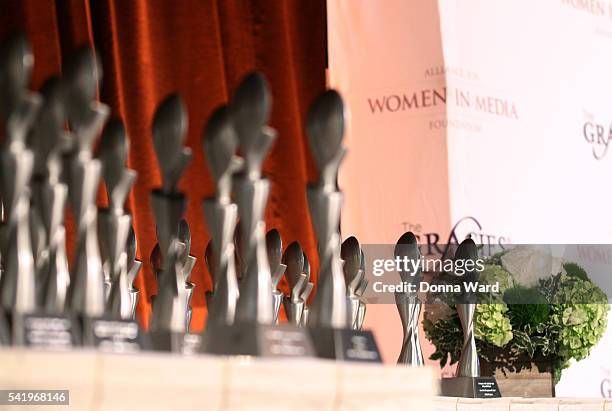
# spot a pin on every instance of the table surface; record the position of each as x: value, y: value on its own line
x: 523, y: 404
x: 155, y: 381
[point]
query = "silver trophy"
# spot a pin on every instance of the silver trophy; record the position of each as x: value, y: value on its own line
x: 468, y: 365
x: 49, y: 141
x: 86, y: 116
x: 325, y: 127
x: 133, y: 268
x: 170, y: 306
x: 114, y: 223
x: 359, y: 291
x: 250, y: 109
x: 306, y: 291
x: 299, y: 286
x: 274, y: 247
x: 354, y: 275
x: 187, y: 263
x: 220, y: 143
x: 332, y: 332
x: 468, y: 382
x: 18, y: 107
x: 408, y: 304
x: 258, y: 255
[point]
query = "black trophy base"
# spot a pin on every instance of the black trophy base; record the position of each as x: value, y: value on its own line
x: 165, y: 341
x: 112, y: 335
x: 470, y: 387
x: 345, y: 345
x: 45, y: 331
x: 281, y: 341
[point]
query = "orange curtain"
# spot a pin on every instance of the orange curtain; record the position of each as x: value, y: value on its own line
x: 200, y: 49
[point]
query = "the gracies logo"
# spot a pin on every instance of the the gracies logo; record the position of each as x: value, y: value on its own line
x: 598, y: 136
x: 433, y: 243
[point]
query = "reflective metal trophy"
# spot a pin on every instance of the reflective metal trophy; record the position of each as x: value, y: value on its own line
x: 250, y: 110
x: 82, y: 171
x: 299, y: 285
x: 117, y: 331
x: 187, y: 262
x: 19, y: 107
x: 329, y: 321
x: 51, y: 326
x: 359, y: 291
x: 170, y: 308
x: 220, y: 143
x: 468, y: 382
x: 253, y: 331
x: 274, y: 247
x: 408, y: 303
x: 133, y: 268
x: 356, y: 283
x: 306, y: 291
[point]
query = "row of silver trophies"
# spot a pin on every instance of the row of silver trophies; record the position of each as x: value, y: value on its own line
x: 48, y: 164
x: 48, y: 161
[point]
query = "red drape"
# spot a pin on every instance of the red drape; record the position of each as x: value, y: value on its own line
x: 200, y: 49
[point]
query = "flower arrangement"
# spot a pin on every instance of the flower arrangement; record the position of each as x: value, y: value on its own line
x: 546, y: 308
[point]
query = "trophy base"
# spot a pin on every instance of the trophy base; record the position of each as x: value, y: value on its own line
x: 45, y: 331
x: 470, y: 387
x: 183, y: 343
x: 112, y: 335
x: 257, y: 340
x: 345, y: 344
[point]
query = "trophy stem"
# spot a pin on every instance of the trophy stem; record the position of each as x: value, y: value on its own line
x: 221, y: 218
x: 255, y: 302
x: 410, y: 312
x: 329, y: 308
x: 468, y: 365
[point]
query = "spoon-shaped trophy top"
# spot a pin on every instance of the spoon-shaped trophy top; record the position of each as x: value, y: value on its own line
x: 113, y: 152
x: 83, y: 74
x: 294, y: 260
x: 250, y: 110
x: 325, y: 128
x: 169, y: 133
x: 17, y: 61
x: 48, y: 134
x: 274, y: 247
x: 350, y: 252
x: 220, y: 143
x: 468, y: 251
x: 407, y: 246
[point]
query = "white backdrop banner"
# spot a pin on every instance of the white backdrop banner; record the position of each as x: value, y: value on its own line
x: 491, y: 117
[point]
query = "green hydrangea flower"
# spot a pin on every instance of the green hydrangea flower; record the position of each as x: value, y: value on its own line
x: 492, y: 325
x: 582, y: 325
